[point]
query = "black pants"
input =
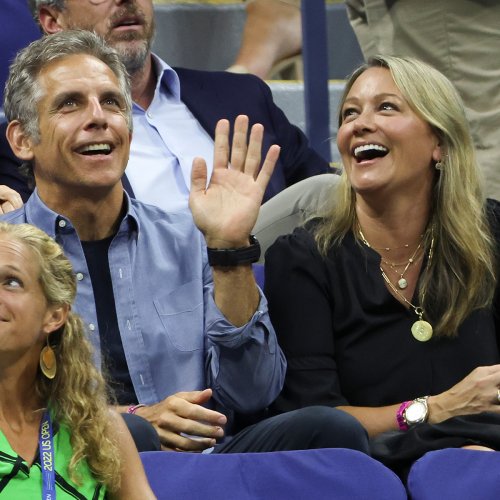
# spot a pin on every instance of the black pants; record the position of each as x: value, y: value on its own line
x: 143, y: 433
x: 304, y: 429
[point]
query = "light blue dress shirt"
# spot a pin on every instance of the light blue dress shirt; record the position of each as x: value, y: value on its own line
x: 174, y: 336
x: 166, y: 139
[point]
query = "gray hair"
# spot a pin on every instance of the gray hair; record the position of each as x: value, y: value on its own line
x: 23, y: 91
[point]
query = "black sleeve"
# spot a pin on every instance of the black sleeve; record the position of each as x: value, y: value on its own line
x: 493, y: 213
x: 298, y: 290
x: 9, y: 168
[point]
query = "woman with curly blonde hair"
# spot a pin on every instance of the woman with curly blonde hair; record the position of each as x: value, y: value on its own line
x: 57, y: 434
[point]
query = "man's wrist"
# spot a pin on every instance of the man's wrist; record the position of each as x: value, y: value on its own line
x: 229, y: 257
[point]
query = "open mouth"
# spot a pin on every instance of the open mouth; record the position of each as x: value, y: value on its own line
x: 369, y: 152
x: 128, y: 22
x: 95, y: 149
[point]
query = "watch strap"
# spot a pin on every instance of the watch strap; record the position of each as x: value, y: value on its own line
x: 228, y: 257
x: 400, y: 416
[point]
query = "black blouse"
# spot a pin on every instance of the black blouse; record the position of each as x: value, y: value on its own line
x: 348, y: 340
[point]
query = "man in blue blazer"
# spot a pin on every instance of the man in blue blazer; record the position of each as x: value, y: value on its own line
x: 175, y: 111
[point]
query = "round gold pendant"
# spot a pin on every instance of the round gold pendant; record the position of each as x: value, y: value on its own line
x: 402, y: 283
x: 421, y: 330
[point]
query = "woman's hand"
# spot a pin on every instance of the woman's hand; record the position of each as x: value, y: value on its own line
x: 476, y: 393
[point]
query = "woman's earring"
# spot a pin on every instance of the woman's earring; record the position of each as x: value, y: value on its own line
x: 48, y: 363
x: 438, y: 165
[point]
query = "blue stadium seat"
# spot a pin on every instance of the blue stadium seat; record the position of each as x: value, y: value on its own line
x: 455, y: 473
x: 322, y: 474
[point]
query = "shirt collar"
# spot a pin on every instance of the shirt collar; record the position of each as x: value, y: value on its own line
x: 166, y: 77
x: 40, y: 215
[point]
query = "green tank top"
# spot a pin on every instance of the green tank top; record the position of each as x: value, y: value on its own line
x: 18, y: 481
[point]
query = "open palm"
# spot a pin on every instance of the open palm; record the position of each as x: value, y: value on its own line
x: 226, y: 210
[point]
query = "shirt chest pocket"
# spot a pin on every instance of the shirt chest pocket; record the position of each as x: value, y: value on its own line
x: 182, y: 315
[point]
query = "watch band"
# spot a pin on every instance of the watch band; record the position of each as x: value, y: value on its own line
x: 403, y: 426
x: 235, y: 256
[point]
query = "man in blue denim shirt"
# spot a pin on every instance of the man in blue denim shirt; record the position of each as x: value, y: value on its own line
x: 188, y: 339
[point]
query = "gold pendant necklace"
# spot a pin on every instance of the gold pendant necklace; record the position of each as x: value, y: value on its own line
x: 421, y: 329
x: 402, y: 283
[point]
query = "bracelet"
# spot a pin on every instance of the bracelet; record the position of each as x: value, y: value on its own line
x: 235, y: 256
x: 403, y: 426
x: 133, y: 408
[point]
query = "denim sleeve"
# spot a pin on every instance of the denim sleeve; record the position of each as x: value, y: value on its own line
x: 245, y: 366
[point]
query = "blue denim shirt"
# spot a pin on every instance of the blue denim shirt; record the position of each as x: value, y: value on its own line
x: 174, y: 336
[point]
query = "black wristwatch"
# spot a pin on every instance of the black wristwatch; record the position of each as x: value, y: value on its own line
x: 235, y: 256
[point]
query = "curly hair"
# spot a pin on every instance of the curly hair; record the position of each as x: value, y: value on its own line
x: 77, y: 395
x: 462, y: 274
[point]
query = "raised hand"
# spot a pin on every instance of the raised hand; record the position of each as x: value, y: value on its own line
x: 183, y: 424
x: 227, y: 209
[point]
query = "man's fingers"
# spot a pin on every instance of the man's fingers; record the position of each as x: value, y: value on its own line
x: 175, y: 442
x: 268, y: 166
x: 198, y: 175
x: 8, y: 195
x: 6, y: 207
x: 180, y: 405
x: 221, y: 144
x: 254, y: 153
x: 197, y: 397
x: 239, y: 147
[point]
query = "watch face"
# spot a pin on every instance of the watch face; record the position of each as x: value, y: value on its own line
x: 416, y: 412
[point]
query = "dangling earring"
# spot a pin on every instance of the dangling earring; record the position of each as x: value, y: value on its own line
x: 438, y: 165
x: 48, y: 363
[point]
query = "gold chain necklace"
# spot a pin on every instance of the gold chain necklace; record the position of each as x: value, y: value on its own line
x: 402, y: 283
x: 421, y: 329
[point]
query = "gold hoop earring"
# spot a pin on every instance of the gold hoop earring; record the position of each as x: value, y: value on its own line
x: 48, y: 363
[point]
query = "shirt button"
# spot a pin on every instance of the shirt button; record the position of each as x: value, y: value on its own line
x: 91, y: 327
x: 79, y: 276
x: 62, y: 223
x: 150, y: 115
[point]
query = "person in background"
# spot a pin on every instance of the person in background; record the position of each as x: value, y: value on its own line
x: 175, y: 111
x: 387, y: 308
x: 57, y: 434
x: 272, y: 33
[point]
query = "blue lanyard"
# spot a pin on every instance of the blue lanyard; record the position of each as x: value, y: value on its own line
x: 46, y: 447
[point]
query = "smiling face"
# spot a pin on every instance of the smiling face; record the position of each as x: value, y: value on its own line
x: 84, y: 137
x: 385, y: 146
x: 128, y: 26
x: 25, y: 316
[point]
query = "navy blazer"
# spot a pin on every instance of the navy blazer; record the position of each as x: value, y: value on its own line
x: 211, y: 96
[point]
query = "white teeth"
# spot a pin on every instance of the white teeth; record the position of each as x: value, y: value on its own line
x: 367, y: 147
x: 95, y: 147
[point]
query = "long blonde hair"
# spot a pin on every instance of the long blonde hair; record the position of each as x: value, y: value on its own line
x: 462, y: 274
x: 77, y: 394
